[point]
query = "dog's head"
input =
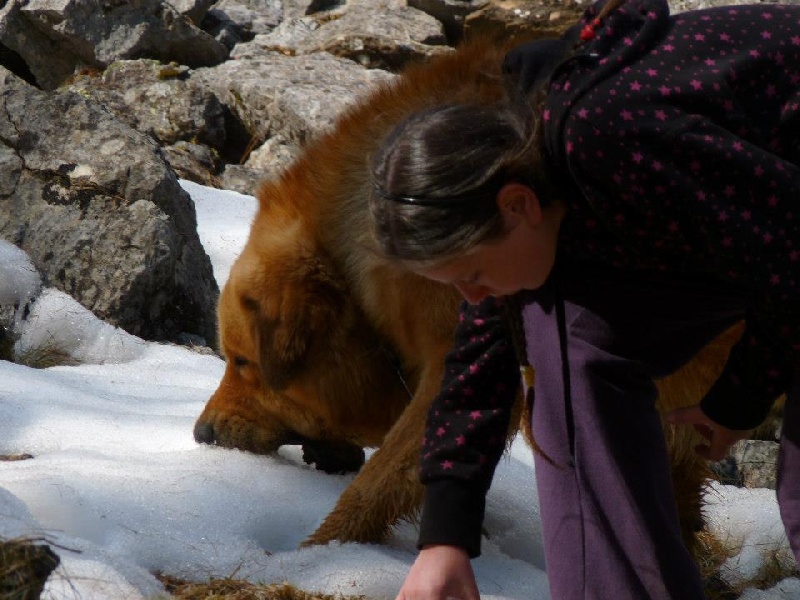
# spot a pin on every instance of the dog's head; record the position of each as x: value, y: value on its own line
x: 302, y: 362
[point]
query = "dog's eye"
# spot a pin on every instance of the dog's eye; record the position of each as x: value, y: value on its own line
x: 239, y: 361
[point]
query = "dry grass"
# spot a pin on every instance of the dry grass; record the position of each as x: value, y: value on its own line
x: 236, y: 589
x: 778, y: 563
x: 45, y: 357
x: 711, y: 554
x: 25, y: 565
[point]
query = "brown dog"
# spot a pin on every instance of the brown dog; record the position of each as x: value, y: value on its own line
x: 329, y: 346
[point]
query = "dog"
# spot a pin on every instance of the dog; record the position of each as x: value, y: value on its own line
x: 330, y: 346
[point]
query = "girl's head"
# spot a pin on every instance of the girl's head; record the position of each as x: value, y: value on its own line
x: 462, y: 188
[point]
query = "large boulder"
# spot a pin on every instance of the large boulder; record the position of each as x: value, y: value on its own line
x: 451, y: 13
x: 234, y: 21
x: 101, y: 214
x: 157, y: 99
x: 523, y: 20
x: 375, y: 37
x: 271, y: 93
x: 56, y: 37
x: 195, y: 10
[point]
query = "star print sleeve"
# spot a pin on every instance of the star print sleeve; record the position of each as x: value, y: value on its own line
x: 467, y: 428
x: 702, y: 198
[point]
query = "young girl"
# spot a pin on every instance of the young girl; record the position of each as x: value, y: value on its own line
x: 637, y: 195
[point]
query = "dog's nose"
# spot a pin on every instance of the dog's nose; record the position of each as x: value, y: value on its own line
x: 204, y: 433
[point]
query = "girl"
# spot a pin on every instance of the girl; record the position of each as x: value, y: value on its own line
x: 637, y: 194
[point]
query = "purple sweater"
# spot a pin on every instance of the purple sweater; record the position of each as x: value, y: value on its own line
x: 681, y: 139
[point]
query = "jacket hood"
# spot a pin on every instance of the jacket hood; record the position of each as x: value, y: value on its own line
x: 569, y: 67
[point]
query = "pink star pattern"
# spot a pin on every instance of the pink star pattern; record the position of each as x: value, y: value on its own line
x: 683, y: 173
x: 483, y: 384
x: 684, y: 162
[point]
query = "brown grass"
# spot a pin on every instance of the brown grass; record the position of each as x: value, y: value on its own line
x: 778, y: 564
x: 25, y: 565
x: 236, y: 589
x: 45, y: 357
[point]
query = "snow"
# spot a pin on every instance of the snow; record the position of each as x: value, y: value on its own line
x: 19, y: 280
x: 59, y: 323
x: 120, y: 488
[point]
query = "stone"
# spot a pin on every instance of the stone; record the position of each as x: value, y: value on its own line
x: 101, y: 214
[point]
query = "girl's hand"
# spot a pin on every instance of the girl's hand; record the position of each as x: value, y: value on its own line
x: 440, y: 573
x: 720, y: 438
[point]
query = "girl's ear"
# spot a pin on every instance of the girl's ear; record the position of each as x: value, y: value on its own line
x: 517, y: 202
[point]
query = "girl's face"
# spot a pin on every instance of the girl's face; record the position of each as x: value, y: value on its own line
x: 522, y: 258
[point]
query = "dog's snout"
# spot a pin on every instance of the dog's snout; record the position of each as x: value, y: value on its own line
x: 204, y: 433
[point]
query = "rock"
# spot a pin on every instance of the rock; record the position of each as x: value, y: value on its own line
x: 232, y: 21
x: 240, y: 178
x: 101, y: 214
x: 13, y: 62
x: 195, y: 162
x: 195, y: 10
x: 157, y: 99
x: 47, y: 60
x: 264, y: 162
x: 272, y: 156
x: 317, y: 6
x: 370, y: 36
x: 384, y: 39
x: 523, y: 20
x: 451, y: 13
x: 56, y: 37
x: 289, y: 38
x: 756, y: 462
x: 274, y: 94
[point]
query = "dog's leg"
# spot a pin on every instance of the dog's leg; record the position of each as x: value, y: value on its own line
x: 691, y: 472
x: 387, y: 489
x: 333, y: 457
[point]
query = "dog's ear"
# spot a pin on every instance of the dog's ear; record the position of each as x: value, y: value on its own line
x: 294, y: 315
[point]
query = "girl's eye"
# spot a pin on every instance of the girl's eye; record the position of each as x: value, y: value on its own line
x: 238, y: 361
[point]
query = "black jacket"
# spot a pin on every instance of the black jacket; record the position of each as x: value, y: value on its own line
x: 680, y: 139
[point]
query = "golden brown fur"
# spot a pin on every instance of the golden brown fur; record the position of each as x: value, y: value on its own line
x: 314, y: 324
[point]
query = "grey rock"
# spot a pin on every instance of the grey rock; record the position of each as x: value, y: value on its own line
x: 240, y: 178
x: 371, y: 36
x: 274, y: 94
x: 195, y: 162
x: 451, y: 13
x: 102, y: 215
x: 49, y: 61
x: 196, y: 10
x: 523, y: 20
x: 232, y: 21
x: 265, y: 162
x: 157, y: 99
x: 56, y: 37
x: 272, y: 156
x: 756, y: 462
x: 288, y: 37
x: 317, y: 6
